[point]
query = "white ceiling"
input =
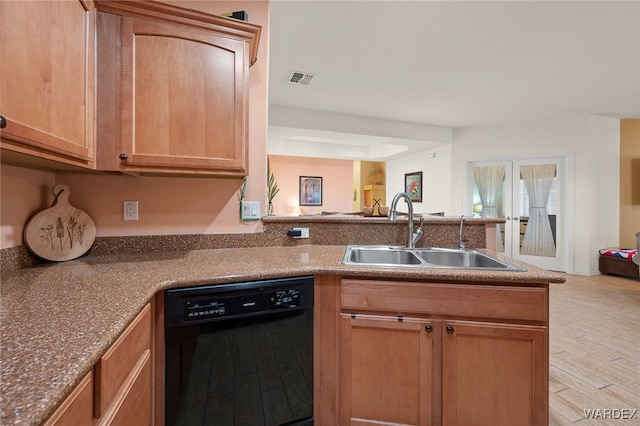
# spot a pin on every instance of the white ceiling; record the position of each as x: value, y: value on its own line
x: 405, y: 73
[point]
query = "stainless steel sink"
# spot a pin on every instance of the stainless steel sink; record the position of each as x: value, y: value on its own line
x: 464, y: 259
x: 424, y: 258
x: 381, y: 255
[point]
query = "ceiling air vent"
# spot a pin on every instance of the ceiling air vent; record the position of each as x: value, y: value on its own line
x: 303, y: 78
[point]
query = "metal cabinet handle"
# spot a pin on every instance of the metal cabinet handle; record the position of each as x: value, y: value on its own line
x: 124, y: 157
x: 450, y: 329
x: 3, y: 122
x: 428, y: 328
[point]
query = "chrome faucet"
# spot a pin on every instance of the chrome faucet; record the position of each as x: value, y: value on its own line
x: 461, y: 241
x: 412, y: 237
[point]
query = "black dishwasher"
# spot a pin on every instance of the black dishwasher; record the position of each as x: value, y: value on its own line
x: 240, y: 354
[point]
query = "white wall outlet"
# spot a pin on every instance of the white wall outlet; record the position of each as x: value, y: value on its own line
x: 304, y: 232
x: 250, y: 210
x: 130, y: 209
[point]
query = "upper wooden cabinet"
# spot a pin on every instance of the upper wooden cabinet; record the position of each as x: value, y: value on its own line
x: 172, y: 89
x: 46, y: 81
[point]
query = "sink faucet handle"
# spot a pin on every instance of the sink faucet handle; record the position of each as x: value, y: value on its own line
x: 416, y: 235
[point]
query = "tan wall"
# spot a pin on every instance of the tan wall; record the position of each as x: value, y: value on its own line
x: 337, y: 187
x: 167, y: 205
x: 629, y: 181
x: 24, y: 192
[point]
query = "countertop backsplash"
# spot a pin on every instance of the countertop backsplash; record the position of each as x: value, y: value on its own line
x: 323, y: 230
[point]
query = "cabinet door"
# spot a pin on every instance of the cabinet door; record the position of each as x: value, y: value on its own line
x: 494, y: 374
x: 46, y: 73
x: 385, y: 371
x: 183, y: 100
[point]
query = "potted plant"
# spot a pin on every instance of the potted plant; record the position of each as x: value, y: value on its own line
x: 272, y: 190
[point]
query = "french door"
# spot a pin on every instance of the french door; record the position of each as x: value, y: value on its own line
x: 530, y: 194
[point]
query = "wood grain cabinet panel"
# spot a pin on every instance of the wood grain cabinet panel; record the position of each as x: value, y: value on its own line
x: 46, y: 81
x: 119, y: 388
x: 114, y: 368
x: 423, y: 353
x: 133, y: 401
x: 386, y: 367
x: 494, y: 374
x: 524, y: 303
x: 172, y: 96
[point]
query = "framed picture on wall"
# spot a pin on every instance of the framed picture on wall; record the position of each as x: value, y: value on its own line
x: 413, y: 186
x: 310, y: 190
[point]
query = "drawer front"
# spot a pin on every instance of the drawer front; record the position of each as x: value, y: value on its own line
x: 134, y: 399
x: 114, y: 367
x: 459, y: 300
x: 77, y: 409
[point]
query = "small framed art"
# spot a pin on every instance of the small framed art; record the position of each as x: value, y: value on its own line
x: 413, y: 186
x: 310, y: 190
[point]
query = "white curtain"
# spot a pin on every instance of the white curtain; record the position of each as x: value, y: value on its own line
x: 489, y: 180
x: 538, y: 238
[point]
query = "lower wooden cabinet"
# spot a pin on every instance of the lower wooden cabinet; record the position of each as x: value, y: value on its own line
x: 120, y: 387
x: 123, y: 376
x: 401, y: 359
x: 494, y: 374
x: 385, y: 371
x: 134, y: 399
x: 115, y: 371
x: 77, y: 409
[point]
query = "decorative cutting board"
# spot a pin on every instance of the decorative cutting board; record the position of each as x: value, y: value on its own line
x: 61, y: 232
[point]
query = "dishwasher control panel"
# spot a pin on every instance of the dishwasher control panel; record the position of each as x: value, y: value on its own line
x: 211, y: 303
x: 285, y: 299
x: 197, y: 310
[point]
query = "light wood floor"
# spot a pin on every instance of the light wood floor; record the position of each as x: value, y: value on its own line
x: 594, y: 350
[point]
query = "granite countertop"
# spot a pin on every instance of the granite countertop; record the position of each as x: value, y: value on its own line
x: 58, y: 319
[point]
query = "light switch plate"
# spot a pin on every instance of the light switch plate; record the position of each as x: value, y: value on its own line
x: 250, y: 210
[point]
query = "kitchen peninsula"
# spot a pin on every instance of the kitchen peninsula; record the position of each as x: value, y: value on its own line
x: 58, y: 319
x: 439, y: 231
